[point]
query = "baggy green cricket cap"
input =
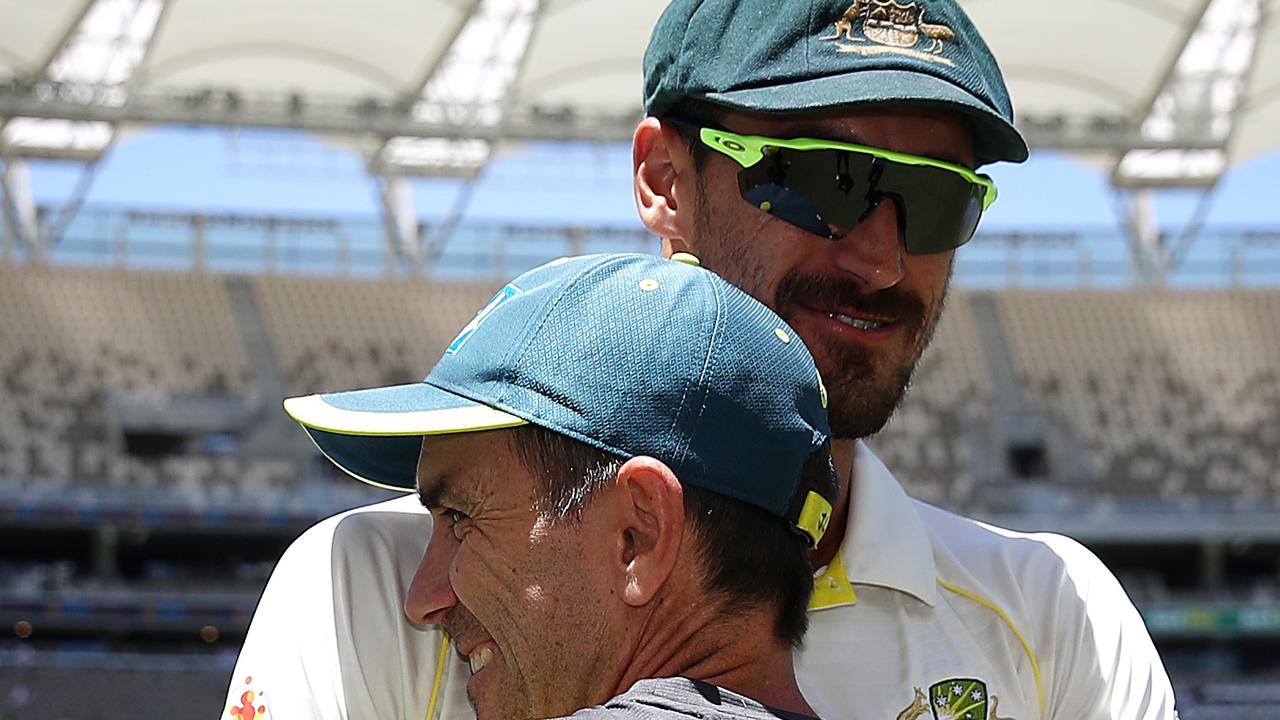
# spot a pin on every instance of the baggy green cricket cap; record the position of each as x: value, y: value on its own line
x: 786, y: 56
x: 630, y: 353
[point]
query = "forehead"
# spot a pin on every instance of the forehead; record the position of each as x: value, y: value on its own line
x: 918, y: 130
x: 469, y: 467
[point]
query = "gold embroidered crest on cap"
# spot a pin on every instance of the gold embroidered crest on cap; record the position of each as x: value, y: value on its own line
x: 875, y: 27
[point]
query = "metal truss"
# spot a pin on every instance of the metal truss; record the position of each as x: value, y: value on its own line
x: 1200, y: 94
x: 361, y: 118
x: 102, y: 48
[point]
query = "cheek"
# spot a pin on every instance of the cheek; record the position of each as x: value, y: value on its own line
x: 750, y: 249
x: 482, y: 570
x: 928, y: 275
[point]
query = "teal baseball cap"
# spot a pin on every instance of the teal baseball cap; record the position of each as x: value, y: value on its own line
x: 630, y: 353
x: 786, y: 56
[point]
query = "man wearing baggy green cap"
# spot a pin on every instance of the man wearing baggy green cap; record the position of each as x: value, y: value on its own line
x: 823, y: 156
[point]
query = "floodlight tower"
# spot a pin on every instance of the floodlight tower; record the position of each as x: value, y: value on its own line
x: 467, y: 86
x: 1201, y: 94
x: 98, y: 56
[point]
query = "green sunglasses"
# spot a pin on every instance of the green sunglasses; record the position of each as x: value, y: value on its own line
x: 819, y: 184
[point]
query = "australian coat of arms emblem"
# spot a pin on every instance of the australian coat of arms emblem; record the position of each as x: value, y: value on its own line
x: 954, y: 699
x: 873, y: 27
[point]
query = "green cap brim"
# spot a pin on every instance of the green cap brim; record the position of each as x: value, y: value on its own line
x: 375, y: 435
x: 994, y: 138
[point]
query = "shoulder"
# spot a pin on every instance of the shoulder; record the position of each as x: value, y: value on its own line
x: 672, y: 698
x: 1097, y: 658
x: 1010, y: 561
x: 328, y: 639
x: 356, y: 530
x: 1046, y: 583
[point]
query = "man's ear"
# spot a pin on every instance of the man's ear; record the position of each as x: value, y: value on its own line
x: 651, y: 527
x: 662, y: 177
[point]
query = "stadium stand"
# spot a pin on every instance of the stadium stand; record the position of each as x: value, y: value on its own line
x: 82, y: 349
x: 37, y: 685
x: 1143, y: 396
x: 1173, y: 397
x: 933, y: 438
x: 1233, y: 701
x: 338, y: 334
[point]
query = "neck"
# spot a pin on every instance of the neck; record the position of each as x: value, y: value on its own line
x: 843, y: 454
x: 699, y: 642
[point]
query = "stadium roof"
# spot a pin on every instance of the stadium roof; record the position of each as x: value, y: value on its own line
x: 1170, y: 91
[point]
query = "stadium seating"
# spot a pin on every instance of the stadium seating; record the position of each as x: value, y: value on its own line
x: 1173, y: 397
x: 70, y: 339
x: 337, y: 334
x: 930, y: 442
x: 80, y: 685
x: 1147, y: 397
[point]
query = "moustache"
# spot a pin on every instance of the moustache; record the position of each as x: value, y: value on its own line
x: 463, y: 627
x: 817, y: 291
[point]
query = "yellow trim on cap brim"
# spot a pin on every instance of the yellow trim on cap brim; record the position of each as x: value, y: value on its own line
x: 314, y: 412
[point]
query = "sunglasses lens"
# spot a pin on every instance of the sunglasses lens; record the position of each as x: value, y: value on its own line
x: 810, y: 189
x: 816, y: 190
x: 940, y: 209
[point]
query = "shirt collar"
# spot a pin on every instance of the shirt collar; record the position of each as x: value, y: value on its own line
x: 885, y: 542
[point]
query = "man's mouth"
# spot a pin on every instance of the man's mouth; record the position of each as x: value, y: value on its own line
x: 866, y: 317
x: 851, y: 317
x: 856, y: 323
x: 479, y: 657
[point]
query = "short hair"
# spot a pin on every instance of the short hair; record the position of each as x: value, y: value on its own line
x: 698, y: 113
x: 751, y: 558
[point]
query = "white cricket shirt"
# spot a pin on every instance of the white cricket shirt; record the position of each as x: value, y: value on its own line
x: 923, y: 615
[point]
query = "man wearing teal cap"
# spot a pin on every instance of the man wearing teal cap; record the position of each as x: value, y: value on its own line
x: 822, y: 156
x: 610, y: 452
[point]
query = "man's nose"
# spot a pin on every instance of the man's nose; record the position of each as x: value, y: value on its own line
x: 872, y: 250
x: 430, y: 595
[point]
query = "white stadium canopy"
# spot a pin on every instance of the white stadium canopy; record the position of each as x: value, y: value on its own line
x: 1161, y: 93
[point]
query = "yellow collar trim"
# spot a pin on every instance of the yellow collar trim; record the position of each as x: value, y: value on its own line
x: 832, y: 588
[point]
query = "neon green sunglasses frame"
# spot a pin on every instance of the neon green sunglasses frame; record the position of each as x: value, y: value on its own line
x: 747, y: 150
x: 750, y: 150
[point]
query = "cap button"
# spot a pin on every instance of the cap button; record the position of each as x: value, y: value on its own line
x: 686, y: 258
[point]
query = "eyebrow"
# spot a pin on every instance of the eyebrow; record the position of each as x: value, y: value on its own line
x: 817, y: 132
x: 434, y: 495
x: 450, y: 490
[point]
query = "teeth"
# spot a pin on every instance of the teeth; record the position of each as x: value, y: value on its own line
x: 856, y: 323
x: 479, y: 659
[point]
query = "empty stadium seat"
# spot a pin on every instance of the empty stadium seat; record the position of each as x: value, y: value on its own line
x: 1174, y: 396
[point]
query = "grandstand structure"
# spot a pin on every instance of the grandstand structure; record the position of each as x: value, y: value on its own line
x: 148, y: 480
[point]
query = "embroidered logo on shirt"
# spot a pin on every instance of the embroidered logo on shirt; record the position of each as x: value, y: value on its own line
x: 954, y: 699
x: 876, y: 27
x: 252, y: 704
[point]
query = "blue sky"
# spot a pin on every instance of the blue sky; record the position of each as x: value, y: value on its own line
x: 288, y: 173
x: 291, y: 173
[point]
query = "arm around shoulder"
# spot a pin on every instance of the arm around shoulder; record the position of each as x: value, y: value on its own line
x: 288, y: 664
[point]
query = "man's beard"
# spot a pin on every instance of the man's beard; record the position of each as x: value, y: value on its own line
x: 865, y: 388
